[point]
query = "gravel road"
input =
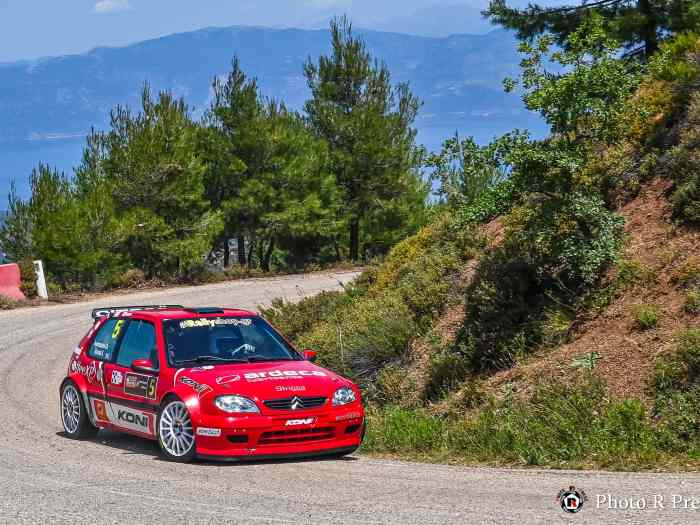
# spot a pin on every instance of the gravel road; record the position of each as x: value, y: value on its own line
x: 46, y: 478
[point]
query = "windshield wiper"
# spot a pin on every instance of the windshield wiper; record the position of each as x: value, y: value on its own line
x: 259, y: 358
x: 205, y: 358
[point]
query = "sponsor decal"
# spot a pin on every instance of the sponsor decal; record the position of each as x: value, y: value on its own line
x: 571, y: 499
x: 141, y: 385
x: 100, y: 410
x: 201, y: 368
x: 117, y: 328
x: 201, y: 388
x: 215, y: 321
x: 349, y: 415
x: 117, y: 377
x: 253, y: 377
x: 295, y: 388
x: 210, y: 432
x: 224, y: 380
x: 295, y: 422
x: 124, y: 417
x: 91, y: 372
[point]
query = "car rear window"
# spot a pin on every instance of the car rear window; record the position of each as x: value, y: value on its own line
x: 105, y: 342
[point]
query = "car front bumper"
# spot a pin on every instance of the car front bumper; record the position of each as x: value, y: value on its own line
x: 338, y: 431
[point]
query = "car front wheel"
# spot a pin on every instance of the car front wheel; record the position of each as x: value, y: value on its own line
x: 176, y: 432
x: 74, y: 417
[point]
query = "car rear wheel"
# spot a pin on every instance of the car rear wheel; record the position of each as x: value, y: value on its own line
x: 74, y: 417
x: 176, y: 432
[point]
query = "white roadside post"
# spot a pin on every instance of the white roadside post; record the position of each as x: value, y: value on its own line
x: 40, y: 280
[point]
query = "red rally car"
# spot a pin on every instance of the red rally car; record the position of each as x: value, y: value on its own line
x: 208, y: 382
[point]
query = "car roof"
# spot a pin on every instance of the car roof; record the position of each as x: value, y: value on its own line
x: 190, y: 313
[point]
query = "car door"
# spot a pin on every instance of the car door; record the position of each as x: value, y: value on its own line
x: 132, y: 394
x: 95, y: 362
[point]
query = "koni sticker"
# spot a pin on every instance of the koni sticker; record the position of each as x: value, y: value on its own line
x: 124, y: 417
x: 201, y: 388
x: 140, y: 385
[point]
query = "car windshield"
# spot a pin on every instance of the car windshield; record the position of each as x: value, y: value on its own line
x: 215, y: 340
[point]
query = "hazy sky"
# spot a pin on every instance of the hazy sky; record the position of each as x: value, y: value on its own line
x: 35, y: 28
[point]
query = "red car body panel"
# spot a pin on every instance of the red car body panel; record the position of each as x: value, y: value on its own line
x: 124, y: 400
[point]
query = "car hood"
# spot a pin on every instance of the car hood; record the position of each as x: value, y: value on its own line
x: 260, y: 381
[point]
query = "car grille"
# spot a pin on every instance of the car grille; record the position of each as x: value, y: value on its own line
x: 295, y: 403
x: 302, y: 435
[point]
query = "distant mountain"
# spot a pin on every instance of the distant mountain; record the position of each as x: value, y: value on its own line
x: 48, y: 105
x: 458, y: 77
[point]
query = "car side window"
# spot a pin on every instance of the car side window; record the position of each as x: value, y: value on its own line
x: 105, y: 342
x: 139, y: 343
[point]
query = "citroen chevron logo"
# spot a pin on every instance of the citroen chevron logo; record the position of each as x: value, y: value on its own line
x: 296, y: 403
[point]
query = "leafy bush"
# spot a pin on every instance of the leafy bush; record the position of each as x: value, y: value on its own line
x: 364, y: 337
x: 559, y: 426
x: 646, y: 316
x: 295, y: 319
x: 505, y: 304
x: 692, y: 301
x: 677, y: 395
x: 688, y: 273
x: 27, y: 278
x: 572, y: 238
x: 8, y: 303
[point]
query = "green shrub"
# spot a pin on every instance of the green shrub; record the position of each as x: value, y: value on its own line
x: 682, y: 164
x: 560, y: 426
x: 27, y: 278
x: 692, y: 301
x: 392, y: 387
x: 572, y: 238
x: 646, y: 316
x: 365, y: 337
x: 688, y: 273
x: 677, y: 395
x: 633, y: 271
x: 396, y: 429
x: 294, y: 319
x: 8, y: 303
x: 445, y: 373
x: 505, y: 306
x: 689, y: 353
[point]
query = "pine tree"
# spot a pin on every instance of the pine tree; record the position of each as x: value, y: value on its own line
x: 637, y: 24
x: 367, y: 123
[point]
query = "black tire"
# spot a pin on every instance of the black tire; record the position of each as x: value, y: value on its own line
x: 175, y: 431
x: 74, y: 416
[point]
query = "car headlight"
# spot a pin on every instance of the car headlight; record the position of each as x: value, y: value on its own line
x: 343, y: 396
x: 236, y: 404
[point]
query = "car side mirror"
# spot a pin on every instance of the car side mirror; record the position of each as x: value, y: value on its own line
x: 309, y: 355
x: 143, y: 365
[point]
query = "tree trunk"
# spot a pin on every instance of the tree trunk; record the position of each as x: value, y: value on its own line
x: 251, y: 246
x: 227, y: 254
x: 240, y: 240
x: 268, y: 256
x: 354, y: 239
x: 648, y: 30
x: 338, y: 255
